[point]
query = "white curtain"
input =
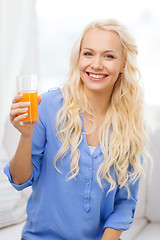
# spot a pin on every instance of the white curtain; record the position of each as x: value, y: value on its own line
x: 18, y: 52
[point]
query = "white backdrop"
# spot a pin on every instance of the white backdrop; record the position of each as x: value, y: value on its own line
x: 17, y: 51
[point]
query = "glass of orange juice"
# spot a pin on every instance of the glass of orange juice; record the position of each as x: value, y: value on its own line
x: 27, y: 85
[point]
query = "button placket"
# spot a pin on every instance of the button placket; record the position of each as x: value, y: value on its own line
x: 87, y: 191
x: 87, y: 195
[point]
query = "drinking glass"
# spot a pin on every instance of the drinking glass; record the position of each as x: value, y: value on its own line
x: 27, y: 86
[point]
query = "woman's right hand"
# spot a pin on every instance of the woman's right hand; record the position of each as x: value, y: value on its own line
x: 18, y: 112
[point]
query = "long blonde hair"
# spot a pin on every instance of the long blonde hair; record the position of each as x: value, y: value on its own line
x: 124, y: 115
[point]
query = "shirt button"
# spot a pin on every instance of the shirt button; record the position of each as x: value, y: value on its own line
x: 88, y: 182
x: 89, y: 169
x: 94, y: 156
x: 86, y: 196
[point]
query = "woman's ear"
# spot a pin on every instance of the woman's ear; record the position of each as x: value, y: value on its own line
x: 122, y: 67
x: 122, y: 71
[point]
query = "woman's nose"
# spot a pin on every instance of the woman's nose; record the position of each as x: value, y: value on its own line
x: 97, y: 63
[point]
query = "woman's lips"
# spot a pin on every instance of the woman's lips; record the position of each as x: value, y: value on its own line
x: 96, y: 76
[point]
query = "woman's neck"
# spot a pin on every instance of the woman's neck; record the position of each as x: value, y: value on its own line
x: 99, y: 101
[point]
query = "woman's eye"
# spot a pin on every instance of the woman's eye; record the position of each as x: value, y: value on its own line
x: 88, y: 54
x: 109, y: 56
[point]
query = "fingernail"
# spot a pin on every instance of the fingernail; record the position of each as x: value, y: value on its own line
x: 27, y: 103
x: 25, y: 115
x: 24, y: 109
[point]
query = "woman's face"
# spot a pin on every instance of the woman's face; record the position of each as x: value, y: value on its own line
x: 101, y: 60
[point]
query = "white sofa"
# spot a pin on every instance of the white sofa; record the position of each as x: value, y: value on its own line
x: 146, y: 225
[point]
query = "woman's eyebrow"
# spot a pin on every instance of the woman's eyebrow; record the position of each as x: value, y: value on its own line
x: 87, y: 49
x: 106, y: 51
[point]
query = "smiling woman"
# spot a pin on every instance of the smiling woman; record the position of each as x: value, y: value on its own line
x: 83, y: 159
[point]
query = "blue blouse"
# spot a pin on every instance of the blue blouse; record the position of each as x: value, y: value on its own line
x: 76, y: 209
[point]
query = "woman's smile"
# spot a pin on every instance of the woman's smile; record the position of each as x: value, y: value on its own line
x: 96, y: 76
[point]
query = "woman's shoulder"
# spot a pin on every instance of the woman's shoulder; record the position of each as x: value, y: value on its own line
x: 51, y: 92
x: 52, y: 101
x: 53, y: 95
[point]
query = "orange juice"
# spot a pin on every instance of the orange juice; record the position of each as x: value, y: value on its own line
x: 32, y: 97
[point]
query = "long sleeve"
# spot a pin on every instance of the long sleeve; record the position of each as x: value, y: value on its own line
x: 38, y: 146
x: 124, y: 207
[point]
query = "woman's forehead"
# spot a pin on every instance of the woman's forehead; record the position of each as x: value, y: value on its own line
x: 103, y: 39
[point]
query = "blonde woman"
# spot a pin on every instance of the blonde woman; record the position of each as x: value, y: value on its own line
x: 83, y: 158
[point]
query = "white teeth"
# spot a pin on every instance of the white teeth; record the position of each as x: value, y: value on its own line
x: 96, y: 75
